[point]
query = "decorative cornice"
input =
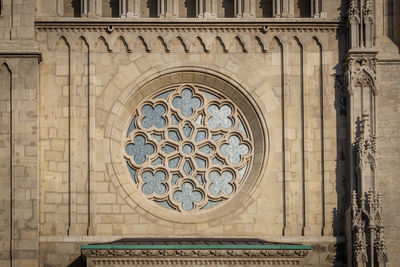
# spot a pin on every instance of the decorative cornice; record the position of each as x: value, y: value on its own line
x: 21, y: 54
x: 157, y: 25
x: 192, y: 262
x: 100, y: 253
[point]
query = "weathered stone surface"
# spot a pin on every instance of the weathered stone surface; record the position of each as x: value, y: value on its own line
x: 68, y: 90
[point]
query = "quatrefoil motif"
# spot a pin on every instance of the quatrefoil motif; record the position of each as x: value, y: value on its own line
x: 220, y: 116
x: 188, y: 148
x: 220, y: 183
x: 139, y: 149
x: 188, y: 196
x: 153, y: 116
x: 234, y: 149
x: 186, y: 103
x: 154, y: 182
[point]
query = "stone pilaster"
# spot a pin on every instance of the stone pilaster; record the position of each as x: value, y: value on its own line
x: 96, y: 8
x: 206, y: 8
x: 60, y: 7
x: 123, y: 6
x: 168, y: 8
x: 249, y: 8
x: 366, y: 228
x: 85, y: 8
x: 277, y: 8
x: 288, y: 8
x: 361, y: 19
x: 238, y: 8
x: 133, y: 8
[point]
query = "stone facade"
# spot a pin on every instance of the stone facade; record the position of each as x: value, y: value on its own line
x: 305, y: 74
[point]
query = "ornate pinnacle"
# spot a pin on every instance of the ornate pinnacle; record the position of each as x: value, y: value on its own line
x: 353, y: 10
x: 380, y: 246
x: 354, y: 205
x: 367, y: 9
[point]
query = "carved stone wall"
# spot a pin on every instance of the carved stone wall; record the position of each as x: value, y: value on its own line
x: 75, y: 83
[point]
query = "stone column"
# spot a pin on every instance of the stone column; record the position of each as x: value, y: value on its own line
x: 249, y: 8
x: 315, y: 9
x: 84, y: 8
x: 122, y: 8
x: 99, y: 8
x: 59, y: 8
x: 206, y: 8
x: 133, y: 9
x: 277, y: 8
x: 368, y: 19
x: 168, y: 8
x: 200, y: 5
x: 94, y: 8
x: 288, y: 8
x: 238, y: 4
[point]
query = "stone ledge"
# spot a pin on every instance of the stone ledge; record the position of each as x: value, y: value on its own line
x: 21, y: 54
x: 283, y: 239
x: 194, y: 252
x: 155, y: 25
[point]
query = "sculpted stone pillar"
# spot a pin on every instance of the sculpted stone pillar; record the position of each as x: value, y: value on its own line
x: 368, y: 19
x: 288, y: 8
x: 60, y: 8
x: 91, y: 8
x: 315, y: 9
x: 249, y: 8
x: 238, y: 4
x: 168, y: 8
x: 353, y: 15
x: 277, y: 8
x: 122, y: 8
x: 206, y: 8
x: 364, y: 225
x: 96, y: 8
x: 84, y: 8
x: 133, y: 8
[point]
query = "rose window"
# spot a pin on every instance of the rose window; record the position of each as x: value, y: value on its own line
x: 188, y: 148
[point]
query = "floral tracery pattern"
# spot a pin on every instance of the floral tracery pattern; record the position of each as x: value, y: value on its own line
x: 189, y: 147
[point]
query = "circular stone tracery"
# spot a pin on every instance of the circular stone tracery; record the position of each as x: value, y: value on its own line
x: 188, y: 148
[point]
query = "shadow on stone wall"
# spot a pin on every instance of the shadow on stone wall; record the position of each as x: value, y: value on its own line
x: 338, y: 213
x: 78, y: 262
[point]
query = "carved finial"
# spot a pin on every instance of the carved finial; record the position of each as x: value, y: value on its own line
x: 354, y: 205
x: 353, y: 12
x: 362, y: 200
x: 372, y: 204
x: 379, y: 200
x: 360, y: 245
x: 380, y: 246
x: 367, y: 10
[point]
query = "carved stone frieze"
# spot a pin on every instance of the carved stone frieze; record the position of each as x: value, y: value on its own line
x: 193, y: 262
x: 96, y: 257
x: 90, y: 253
x: 260, y: 26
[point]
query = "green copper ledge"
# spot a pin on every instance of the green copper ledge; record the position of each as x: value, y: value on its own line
x: 196, y: 247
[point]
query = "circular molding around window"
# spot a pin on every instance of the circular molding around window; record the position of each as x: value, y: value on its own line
x: 190, y: 147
